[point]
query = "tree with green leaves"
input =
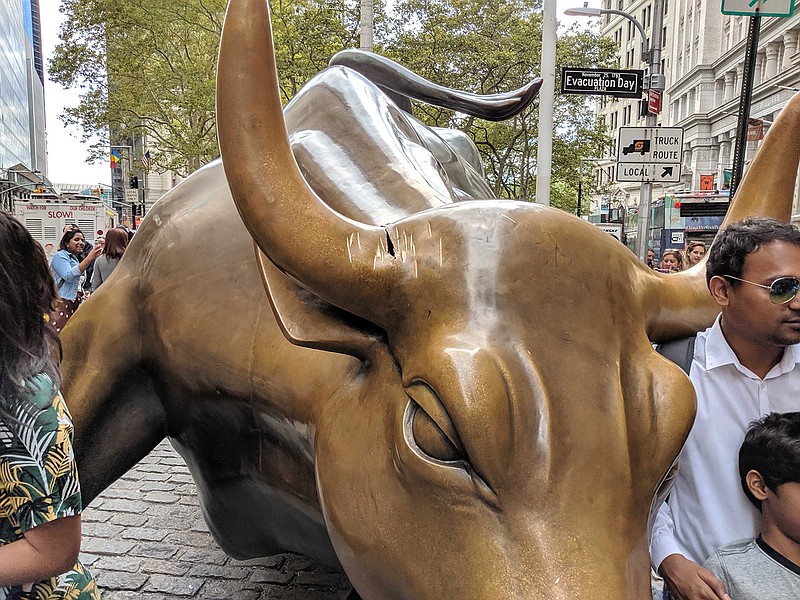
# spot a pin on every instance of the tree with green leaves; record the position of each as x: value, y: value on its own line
x: 149, y: 67
x: 493, y: 46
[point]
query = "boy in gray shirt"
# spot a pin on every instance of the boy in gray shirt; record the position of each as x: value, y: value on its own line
x: 768, y: 567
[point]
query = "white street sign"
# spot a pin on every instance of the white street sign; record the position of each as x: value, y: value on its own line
x: 663, y: 173
x: 131, y: 195
x: 765, y: 8
x: 650, y: 145
x: 614, y: 229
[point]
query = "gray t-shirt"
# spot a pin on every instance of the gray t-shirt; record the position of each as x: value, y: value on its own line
x: 752, y: 570
x: 103, y: 266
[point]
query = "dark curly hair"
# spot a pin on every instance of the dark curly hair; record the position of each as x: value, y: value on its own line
x: 771, y: 447
x: 737, y: 240
x: 27, y: 294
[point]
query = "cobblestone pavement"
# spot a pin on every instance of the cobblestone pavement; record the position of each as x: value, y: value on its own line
x: 145, y: 538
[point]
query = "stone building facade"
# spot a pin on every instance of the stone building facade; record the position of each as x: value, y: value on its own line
x: 703, y: 60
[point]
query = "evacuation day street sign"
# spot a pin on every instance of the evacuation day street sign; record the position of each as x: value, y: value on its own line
x: 650, y: 154
x: 602, y: 82
x: 765, y: 8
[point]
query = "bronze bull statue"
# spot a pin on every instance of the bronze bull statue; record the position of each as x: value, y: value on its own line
x: 448, y: 399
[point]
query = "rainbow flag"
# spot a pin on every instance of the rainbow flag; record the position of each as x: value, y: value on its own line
x: 114, y: 159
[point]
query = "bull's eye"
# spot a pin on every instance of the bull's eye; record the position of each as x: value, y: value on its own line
x: 429, y: 426
x: 429, y: 437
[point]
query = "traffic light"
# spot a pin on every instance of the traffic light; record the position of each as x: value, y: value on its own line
x: 134, y: 182
x: 133, y: 209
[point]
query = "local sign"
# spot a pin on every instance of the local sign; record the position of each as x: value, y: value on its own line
x: 603, y: 82
x: 649, y: 154
x: 765, y: 8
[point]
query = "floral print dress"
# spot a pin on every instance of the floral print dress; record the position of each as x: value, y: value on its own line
x: 39, y: 484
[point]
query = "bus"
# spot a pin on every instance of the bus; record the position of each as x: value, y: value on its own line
x: 680, y: 218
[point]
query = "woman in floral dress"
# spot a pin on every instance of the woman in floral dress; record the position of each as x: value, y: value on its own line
x: 40, y: 500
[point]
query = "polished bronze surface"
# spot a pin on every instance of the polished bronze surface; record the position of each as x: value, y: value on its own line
x: 449, y: 399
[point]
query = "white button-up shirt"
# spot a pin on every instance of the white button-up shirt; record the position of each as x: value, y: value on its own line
x: 707, y: 507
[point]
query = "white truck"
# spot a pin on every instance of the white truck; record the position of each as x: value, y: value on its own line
x: 45, y: 218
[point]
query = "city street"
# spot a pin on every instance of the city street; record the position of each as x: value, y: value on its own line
x: 145, y: 538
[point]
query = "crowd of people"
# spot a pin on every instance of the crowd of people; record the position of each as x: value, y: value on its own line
x: 729, y: 530
x: 675, y: 260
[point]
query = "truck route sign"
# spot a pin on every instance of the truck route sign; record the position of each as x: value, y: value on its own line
x: 602, y: 82
x: 649, y: 154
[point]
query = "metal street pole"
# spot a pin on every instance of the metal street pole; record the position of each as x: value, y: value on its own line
x: 367, y: 18
x: 653, y: 60
x: 748, y: 74
x: 651, y: 54
x: 547, y: 93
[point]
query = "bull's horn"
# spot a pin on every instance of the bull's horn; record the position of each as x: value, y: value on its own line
x: 680, y: 304
x: 389, y: 75
x: 326, y: 252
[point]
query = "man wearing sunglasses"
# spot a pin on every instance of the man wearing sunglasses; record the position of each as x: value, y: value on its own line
x: 745, y: 366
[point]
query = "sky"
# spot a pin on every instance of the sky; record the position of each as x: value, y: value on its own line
x: 66, y: 152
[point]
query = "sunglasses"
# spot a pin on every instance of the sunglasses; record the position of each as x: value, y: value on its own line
x: 781, y: 291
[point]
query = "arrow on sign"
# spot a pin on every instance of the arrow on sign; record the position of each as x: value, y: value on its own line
x: 667, y: 172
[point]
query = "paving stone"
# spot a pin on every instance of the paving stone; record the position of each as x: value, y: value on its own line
x: 101, y: 529
x: 190, y: 538
x: 155, y: 476
x: 321, y: 579
x: 170, y: 523
x: 122, y: 493
x: 87, y: 559
x: 219, y: 571
x: 271, y: 576
x: 274, y: 562
x: 157, y: 486
x: 129, y: 520
x: 225, y: 590
x: 180, y: 586
x: 204, y: 555
x: 123, y: 484
x: 199, y: 525
x: 126, y: 595
x: 168, y: 566
x: 92, y: 515
x: 104, y: 546
x: 122, y: 505
x: 118, y: 580
x: 171, y: 511
x: 155, y: 467
x: 117, y: 563
x: 145, y: 533
x: 163, y: 497
x: 182, y: 478
x: 154, y: 550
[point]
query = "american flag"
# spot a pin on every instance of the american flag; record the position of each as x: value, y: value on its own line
x: 146, y: 160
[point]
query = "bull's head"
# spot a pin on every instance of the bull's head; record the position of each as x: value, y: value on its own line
x: 535, y: 421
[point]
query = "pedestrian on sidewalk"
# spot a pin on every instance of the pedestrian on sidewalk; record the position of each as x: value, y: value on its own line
x: 40, y: 499
x: 115, y: 244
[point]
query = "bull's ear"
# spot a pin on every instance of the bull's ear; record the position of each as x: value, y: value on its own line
x: 307, y: 320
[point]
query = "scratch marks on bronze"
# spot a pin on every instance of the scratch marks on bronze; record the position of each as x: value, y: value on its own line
x: 349, y: 248
x: 509, y: 218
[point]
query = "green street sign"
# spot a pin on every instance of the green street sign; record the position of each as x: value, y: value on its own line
x: 765, y: 8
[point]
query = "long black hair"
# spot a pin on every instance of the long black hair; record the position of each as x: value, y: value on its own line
x: 27, y: 295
